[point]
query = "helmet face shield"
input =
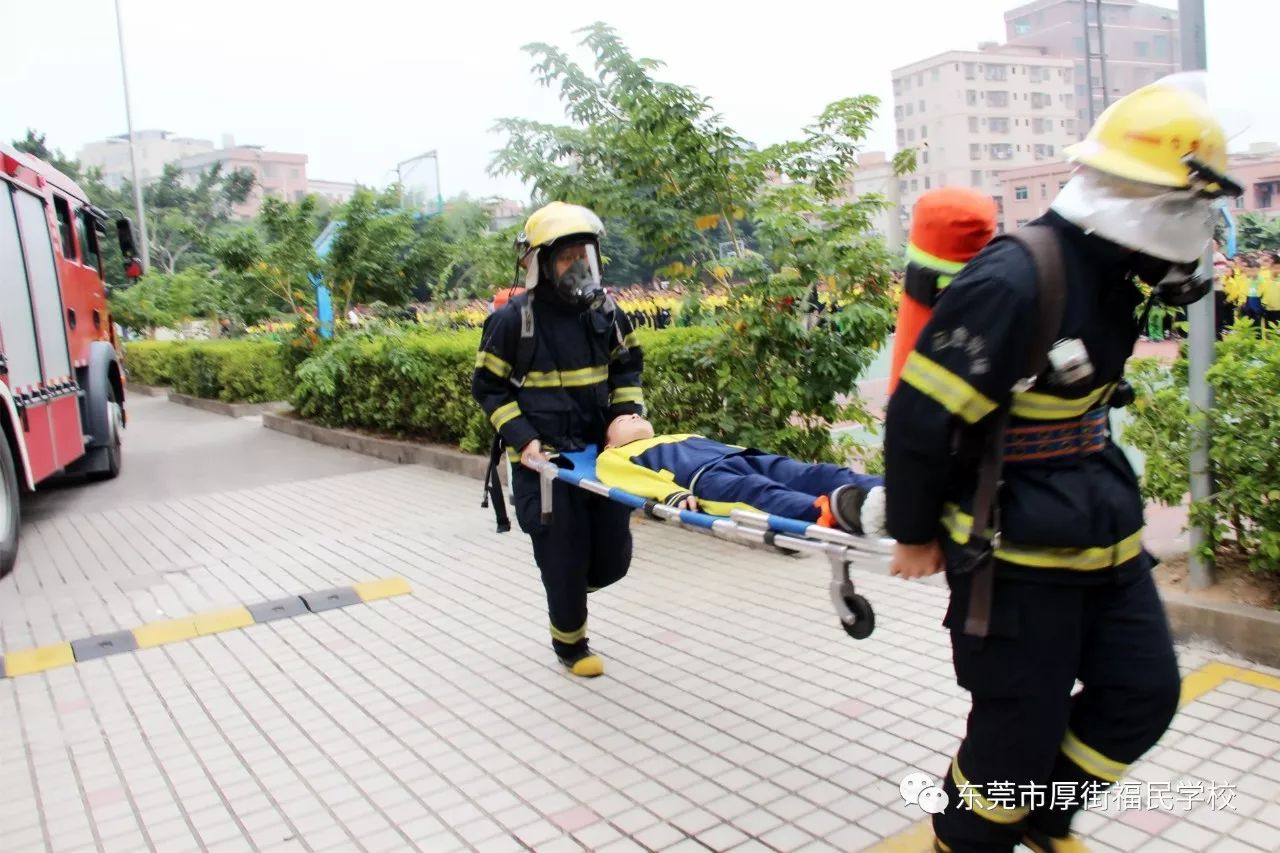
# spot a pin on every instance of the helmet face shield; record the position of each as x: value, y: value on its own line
x: 574, y: 269
x: 1171, y: 224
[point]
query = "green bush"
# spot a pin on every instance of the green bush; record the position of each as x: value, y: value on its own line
x: 148, y: 362
x: 233, y: 371
x: 417, y: 384
x: 1245, y: 429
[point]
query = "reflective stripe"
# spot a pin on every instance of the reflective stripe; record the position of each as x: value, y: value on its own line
x: 958, y: 524
x: 933, y: 262
x: 626, y: 394
x: 946, y: 388
x: 1047, y: 407
x: 1090, y: 760
x: 567, y: 378
x: 980, y: 805
x: 493, y: 364
x: 569, y: 636
x: 504, y: 414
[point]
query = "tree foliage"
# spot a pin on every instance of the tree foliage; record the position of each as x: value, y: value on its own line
x: 657, y: 156
x: 1244, y: 506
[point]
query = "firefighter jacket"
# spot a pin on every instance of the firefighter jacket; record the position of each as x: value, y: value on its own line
x: 662, y: 468
x: 1068, y: 509
x: 584, y: 371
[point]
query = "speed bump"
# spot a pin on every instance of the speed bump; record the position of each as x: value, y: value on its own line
x: 166, y: 631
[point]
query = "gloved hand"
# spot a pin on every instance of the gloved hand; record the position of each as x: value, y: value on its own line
x: 873, y: 513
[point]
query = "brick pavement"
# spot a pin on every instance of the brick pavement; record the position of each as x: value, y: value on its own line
x: 735, y: 714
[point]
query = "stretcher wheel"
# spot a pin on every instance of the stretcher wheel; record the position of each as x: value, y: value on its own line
x: 864, y: 617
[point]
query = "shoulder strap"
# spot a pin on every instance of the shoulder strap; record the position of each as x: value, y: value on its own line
x: 527, y: 341
x: 1042, y: 244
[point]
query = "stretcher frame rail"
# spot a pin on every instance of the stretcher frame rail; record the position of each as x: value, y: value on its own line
x: 742, y: 526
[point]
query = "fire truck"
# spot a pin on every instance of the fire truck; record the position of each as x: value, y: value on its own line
x: 61, y: 381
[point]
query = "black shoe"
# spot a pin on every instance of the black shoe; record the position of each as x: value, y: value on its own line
x: 846, y: 507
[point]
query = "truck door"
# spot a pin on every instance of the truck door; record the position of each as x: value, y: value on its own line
x: 40, y: 374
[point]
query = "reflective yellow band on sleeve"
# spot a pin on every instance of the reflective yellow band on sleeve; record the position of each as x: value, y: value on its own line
x: 626, y: 394
x: 490, y: 362
x: 1090, y: 760
x: 946, y: 388
x: 504, y: 414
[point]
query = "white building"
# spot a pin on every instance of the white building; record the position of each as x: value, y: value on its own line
x: 155, y: 149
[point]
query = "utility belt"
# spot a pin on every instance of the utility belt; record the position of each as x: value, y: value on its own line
x: 1082, y: 436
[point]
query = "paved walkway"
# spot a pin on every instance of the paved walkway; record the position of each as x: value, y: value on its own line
x: 735, y: 714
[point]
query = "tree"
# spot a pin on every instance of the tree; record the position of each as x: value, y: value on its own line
x: 369, y: 258
x: 268, y: 268
x: 184, y: 218
x: 34, y: 144
x: 656, y: 156
x: 1255, y: 232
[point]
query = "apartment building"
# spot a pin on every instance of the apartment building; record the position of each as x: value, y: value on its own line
x: 971, y: 115
x: 275, y: 173
x: 1140, y: 42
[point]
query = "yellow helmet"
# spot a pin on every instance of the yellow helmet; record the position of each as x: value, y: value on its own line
x: 1162, y: 134
x: 557, y: 220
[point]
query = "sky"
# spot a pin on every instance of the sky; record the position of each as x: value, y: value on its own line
x: 359, y: 86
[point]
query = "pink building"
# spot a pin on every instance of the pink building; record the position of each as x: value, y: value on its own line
x: 1028, y: 192
x: 1140, y: 42
x: 275, y: 173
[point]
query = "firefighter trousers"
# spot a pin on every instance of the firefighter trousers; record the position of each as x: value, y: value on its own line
x: 1034, y: 754
x: 586, y: 547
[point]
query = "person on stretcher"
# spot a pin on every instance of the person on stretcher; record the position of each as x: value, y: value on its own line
x: 697, y: 473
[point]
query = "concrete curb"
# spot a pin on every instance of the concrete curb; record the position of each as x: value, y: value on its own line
x: 1248, y: 632
x: 146, y: 390
x: 231, y: 410
x: 392, y: 450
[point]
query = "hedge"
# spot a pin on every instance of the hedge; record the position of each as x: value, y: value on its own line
x: 1245, y: 428
x: 234, y: 371
x: 417, y: 384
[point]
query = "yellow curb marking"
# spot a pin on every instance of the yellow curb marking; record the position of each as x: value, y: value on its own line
x: 165, y: 631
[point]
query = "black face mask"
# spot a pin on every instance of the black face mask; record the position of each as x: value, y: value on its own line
x: 576, y: 286
x: 1175, y: 284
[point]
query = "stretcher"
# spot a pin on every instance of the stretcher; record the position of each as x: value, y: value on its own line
x: 786, y: 534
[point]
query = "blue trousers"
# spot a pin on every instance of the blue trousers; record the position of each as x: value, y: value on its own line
x: 776, y: 484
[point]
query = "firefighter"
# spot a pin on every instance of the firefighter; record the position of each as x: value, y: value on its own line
x: 1072, y: 595
x: 556, y: 365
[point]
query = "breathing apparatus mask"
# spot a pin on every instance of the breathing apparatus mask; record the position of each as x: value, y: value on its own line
x: 571, y: 268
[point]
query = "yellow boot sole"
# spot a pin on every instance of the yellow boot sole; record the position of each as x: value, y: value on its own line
x: 588, y: 667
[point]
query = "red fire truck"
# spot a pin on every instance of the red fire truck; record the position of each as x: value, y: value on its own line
x: 61, y: 383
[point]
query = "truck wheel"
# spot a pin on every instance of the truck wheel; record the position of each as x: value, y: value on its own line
x: 9, y: 511
x: 107, y: 460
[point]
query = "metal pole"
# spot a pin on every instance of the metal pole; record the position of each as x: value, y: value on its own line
x: 1202, y: 333
x: 1102, y: 58
x: 133, y: 150
x: 1088, y: 62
